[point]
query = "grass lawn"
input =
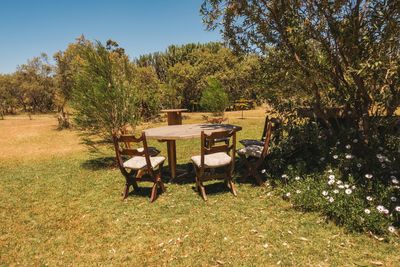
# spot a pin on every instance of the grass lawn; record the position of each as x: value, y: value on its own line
x: 61, y: 206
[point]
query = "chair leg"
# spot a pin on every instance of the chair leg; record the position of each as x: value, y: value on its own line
x: 203, y: 191
x: 125, y: 193
x: 199, y: 182
x: 230, y: 183
x: 247, y: 170
x: 153, y: 195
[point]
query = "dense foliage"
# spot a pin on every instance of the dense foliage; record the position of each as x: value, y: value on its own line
x: 110, y: 93
x: 339, y: 53
x: 182, y: 73
x: 352, y: 180
x: 214, y: 99
x: 31, y: 88
x: 185, y: 70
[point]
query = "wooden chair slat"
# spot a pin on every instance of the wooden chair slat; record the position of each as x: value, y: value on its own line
x: 216, y: 149
x: 129, y: 138
x: 132, y: 152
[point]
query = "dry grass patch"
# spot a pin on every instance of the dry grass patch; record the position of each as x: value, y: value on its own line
x: 24, y: 139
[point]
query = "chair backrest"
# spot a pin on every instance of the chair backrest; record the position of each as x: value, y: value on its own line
x: 265, y: 128
x: 122, y: 145
x: 275, y: 126
x: 267, y: 139
x: 209, y: 143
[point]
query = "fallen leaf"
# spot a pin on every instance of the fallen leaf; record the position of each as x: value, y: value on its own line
x: 378, y: 263
x: 220, y: 262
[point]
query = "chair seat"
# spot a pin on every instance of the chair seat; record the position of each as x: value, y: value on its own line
x: 251, y: 142
x: 251, y: 151
x: 137, y: 162
x: 213, y: 160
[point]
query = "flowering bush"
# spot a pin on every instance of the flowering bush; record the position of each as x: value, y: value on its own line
x: 353, y: 180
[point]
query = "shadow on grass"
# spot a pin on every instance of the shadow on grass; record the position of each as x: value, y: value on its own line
x: 99, y: 163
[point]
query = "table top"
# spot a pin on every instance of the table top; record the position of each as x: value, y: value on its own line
x: 186, y: 131
x: 174, y: 110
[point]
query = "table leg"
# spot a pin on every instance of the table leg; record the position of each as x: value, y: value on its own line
x: 171, y: 147
x: 174, y: 118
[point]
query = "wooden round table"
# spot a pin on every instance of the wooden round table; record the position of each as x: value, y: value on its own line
x: 171, y: 133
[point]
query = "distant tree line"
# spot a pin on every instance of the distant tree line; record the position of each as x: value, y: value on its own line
x: 174, y: 78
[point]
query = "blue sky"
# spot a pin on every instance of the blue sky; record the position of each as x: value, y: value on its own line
x: 31, y: 27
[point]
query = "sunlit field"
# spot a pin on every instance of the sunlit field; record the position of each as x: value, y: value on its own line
x: 61, y: 205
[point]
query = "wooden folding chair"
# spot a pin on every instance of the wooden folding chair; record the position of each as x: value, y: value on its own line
x: 253, y: 156
x: 215, y: 156
x: 140, y: 162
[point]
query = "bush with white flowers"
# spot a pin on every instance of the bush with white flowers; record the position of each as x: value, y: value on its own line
x: 353, y: 180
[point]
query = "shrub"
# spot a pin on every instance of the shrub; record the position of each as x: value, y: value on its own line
x: 352, y: 180
x: 214, y: 99
x: 109, y: 91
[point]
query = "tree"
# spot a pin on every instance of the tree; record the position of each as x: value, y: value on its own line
x: 36, y: 84
x: 344, y: 52
x: 108, y: 91
x: 68, y: 62
x: 184, y: 71
x: 214, y: 99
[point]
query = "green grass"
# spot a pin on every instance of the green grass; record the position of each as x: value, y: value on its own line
x: 68, y: 211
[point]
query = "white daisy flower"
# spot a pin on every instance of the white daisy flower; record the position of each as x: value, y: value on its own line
x: 348, y: 146
x: 263, y: 171
x: 359, y: 165
x: 397, y: 209
x: 348, y: 191
x: 341, y: 186
x: 379, y: 156
x: 335, y: 156
x: 346, y: 185
x: 330, y: 171
x: 288, y: 194
x: 331, y: 177
x: 394, y: 199
x: 386, y: 211
x: 338, y: 143
x: 367, y: 211
x: 392, y: 229
x: 298, y: 191
x: 336, y: 191
x: 284, y: 176
x: 349, y: 156
x: 369, y: 198
x: 368, y: 176
x: 297, y: 178
x: 331, y: 182
x: 380, y: 208
x: 355, y: 140
x: 353, y: 187
x: 331, y: 199
x: 324, y: 193
x: 394, y: 179
x: 339, y: 182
